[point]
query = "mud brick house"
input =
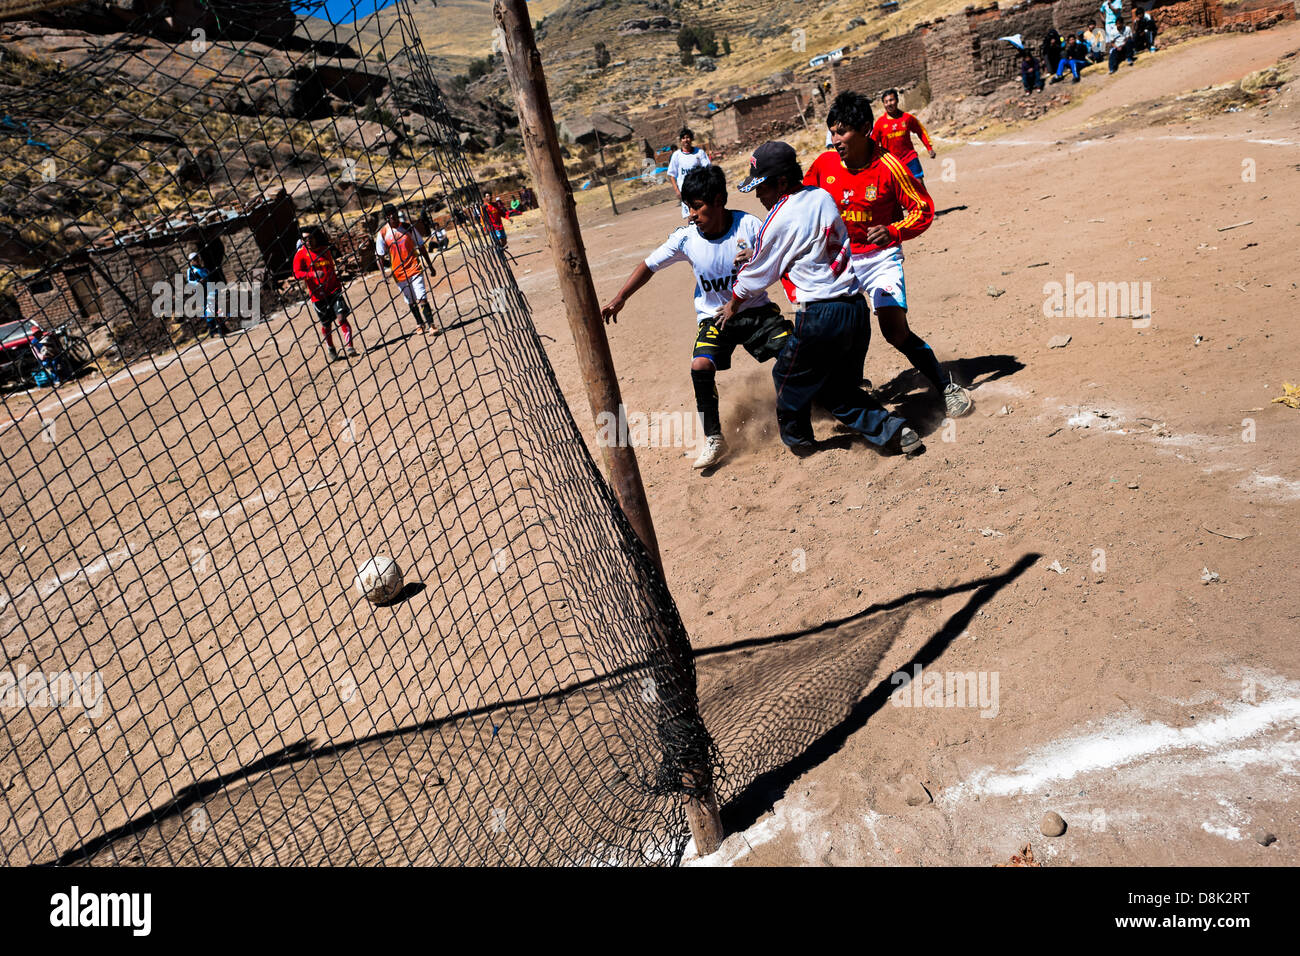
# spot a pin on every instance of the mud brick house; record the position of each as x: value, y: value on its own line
x: 110, y: 282
x: 659, y: 127
x: 753, y: 117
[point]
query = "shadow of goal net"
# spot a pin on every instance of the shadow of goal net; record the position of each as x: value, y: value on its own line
x: 231, y: 377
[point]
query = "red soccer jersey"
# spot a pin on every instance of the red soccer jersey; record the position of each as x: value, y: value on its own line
x: 883, y: 194
x: 317, y: 272
x: 895, y: 135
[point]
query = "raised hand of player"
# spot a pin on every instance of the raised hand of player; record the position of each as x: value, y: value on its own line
x: 612, y: 309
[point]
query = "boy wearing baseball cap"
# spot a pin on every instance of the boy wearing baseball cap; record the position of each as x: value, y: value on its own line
x: 805, y: 244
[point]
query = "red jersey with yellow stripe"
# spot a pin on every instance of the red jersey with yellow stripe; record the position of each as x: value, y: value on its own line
x: 882, y: 194
x: 895, y: 135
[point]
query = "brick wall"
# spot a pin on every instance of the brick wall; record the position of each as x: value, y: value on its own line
x: 951, y: 56
x: 898, y: 62
x: 999, y: 61
x: 48, y: 308
x: 726, y: 129
x: 757, y: 118
x: 659, y: 126
x: 1191, y: 13
x: 1075, y: 15
x: 1257, y: 11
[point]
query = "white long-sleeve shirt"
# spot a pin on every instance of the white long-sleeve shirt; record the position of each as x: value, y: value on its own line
x: 805, y: 244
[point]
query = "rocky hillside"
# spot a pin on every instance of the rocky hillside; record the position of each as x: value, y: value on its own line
x: 106, y: 129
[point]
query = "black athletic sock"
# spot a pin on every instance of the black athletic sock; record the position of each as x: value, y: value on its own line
x: 706, y: 399
x: 419, y: 319
x: 428, y: 314
x: 922, y: 358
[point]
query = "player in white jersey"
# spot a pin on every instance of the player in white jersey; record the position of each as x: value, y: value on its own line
x: 716, y: 242
x: 684, y: 160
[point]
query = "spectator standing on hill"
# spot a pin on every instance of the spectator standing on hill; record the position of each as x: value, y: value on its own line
x: 1052, y: 47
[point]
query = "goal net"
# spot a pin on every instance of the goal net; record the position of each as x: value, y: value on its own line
x: 193, y: 475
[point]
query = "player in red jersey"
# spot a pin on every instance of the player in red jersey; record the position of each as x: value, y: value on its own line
x: 894, y: 130
x: 314, y: 266
x: 883, y: 206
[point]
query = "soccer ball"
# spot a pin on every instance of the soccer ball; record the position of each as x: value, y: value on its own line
x: 379, y: 579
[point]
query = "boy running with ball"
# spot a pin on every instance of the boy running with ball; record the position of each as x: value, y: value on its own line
x: 883, y: 206
x: 716, y: 241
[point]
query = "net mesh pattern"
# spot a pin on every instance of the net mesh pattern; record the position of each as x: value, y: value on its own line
x: 191, y: 676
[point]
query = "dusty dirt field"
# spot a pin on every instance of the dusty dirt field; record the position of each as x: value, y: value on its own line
x: 1157, y: 713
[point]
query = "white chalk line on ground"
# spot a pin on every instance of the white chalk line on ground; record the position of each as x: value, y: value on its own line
x: 1136, y: 754
x: 1123, y: 741
x: 260, y: 497
x: 139, y: 373
x: 43, y: 589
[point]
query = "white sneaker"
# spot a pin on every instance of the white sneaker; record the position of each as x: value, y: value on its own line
x: 957, y: 401
x: 714, y: 450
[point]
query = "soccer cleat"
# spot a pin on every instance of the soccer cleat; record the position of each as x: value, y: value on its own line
x: 712, y: 453
x: 352, y: 352
x: 334, y: 355
x: 908, y: 440
x: 957, y: 401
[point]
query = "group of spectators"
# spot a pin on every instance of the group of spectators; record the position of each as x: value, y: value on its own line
x: 1116, y: 42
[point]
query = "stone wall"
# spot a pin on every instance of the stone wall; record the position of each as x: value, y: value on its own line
x: 755, y: 118
x: 898, y: 63
x: 951, y: 56
x: 1205, y: 14
x: 1254, y: 12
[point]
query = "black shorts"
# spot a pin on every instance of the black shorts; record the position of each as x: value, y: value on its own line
x: 331, y: 308
x: 762, y: 331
